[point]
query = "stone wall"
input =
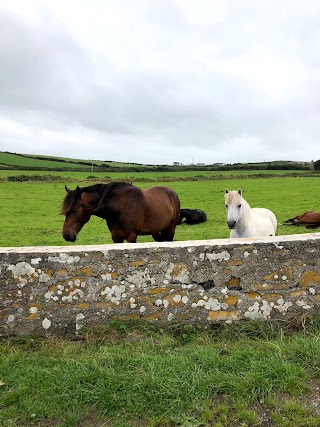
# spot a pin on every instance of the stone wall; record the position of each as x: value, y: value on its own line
x: 59, y: 290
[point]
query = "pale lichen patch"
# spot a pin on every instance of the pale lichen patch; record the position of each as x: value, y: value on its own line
x: 46, y: 323
x: 79, y: 317
x: 220, y: 256
x: 22, y: 271
x: 178, y: 272
x: 64, y: 258
x: 141, y: 278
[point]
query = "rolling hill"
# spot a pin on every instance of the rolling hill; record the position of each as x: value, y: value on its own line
x: 16, y: 161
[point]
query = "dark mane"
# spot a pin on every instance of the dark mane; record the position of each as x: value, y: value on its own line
x: 68, y: 202
x: 104, y: 191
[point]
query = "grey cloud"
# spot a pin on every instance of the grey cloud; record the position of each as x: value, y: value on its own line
x: 249, y: 77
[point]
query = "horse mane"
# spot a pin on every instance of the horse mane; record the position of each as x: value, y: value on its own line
x: 68, y: 202
x: 104, y: 191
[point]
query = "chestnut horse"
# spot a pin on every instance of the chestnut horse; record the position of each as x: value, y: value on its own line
x: 309, y: 219
x: 128, y: 211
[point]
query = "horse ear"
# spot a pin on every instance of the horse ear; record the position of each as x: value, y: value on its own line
x: 67, y: 189
x: 78, y: 191
x: 240, y: 192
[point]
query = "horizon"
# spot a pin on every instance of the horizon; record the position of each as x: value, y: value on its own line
x: 90, y: 160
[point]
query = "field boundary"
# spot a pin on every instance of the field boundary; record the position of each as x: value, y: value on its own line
x: 60, y: 290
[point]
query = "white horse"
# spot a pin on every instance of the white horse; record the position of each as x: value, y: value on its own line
x: 244, y: 221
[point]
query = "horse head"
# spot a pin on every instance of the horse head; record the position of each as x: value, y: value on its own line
x: 233, y: 203
x: 77, y: 208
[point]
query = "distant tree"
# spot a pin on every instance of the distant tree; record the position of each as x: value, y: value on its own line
x: 316, y: 165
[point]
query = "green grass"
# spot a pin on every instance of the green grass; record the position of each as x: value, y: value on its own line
x: 14, y: 160
x: 139, y: 375
x: 28, y: 161
x: 30, y: 210
x: 11, y: 160
x: 142, y: 375
x: 162, y: 176
x: 95, y: 162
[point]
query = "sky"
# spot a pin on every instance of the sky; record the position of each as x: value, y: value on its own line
x: 161, y: 81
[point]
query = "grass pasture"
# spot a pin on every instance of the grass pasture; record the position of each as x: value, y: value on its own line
x: 137, y: 375
x: 12, y: 160
x: 30, y: 209
x: 140, y: 375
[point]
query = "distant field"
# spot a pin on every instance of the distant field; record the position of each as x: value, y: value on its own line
x: 90, y: 161
x: 9, y: 160
x: 30, y: 210
x: 37, y: 162
x: 158, y: 176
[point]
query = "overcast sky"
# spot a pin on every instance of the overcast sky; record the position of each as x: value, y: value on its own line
x: 161, y: 81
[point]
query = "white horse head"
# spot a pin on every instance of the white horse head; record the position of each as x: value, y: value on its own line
x: 246, y: 222
x: 234, y: 206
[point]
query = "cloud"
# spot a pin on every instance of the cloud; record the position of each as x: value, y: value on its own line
x: 158, y: 82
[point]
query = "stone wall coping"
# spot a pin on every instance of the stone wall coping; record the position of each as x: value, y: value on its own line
x: 155, y: 245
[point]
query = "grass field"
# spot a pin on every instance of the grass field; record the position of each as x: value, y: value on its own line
x: 9, y: 160
x: 141, y: 376
x: 30, y: 209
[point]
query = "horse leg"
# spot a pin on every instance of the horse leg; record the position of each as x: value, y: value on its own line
x: 168, y: 233
x: 315, y: 225
x: 157, y: 237
x: 289, y: 221
x: 131, y: 237
x: 117, y: 237
x: 292, y: 221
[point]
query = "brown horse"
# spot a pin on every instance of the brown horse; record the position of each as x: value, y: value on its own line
x: 128, y: 211
x: 309, y: 219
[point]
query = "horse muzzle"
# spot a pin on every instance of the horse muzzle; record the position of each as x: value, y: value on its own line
x: 232, y: 224
x: 69, y: 237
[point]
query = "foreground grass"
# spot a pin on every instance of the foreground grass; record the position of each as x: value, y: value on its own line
x: 138, y: 375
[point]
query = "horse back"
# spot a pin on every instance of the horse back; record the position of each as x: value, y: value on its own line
x: 265, y: 215
x: 162, y: 202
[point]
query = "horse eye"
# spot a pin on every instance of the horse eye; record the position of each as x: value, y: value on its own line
x: 226, y: 206
x: 239, y: 206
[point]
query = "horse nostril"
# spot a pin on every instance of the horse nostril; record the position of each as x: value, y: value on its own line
x: 69, y: 237
x: 231, y: 224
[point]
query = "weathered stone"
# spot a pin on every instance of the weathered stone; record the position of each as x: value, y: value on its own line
x: 59, y: 290
x: 136, y: 263
x: 309, y: 278
x: 219, y: 316
x: 296, y: 294
x: 231, y: 300
x: 253, y: 295
x: 272, y: 297
x: 157, y: 291
x: 271, y: 286
x: 236, y: 262
x: 234, y: 282
x: 280, y: 275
